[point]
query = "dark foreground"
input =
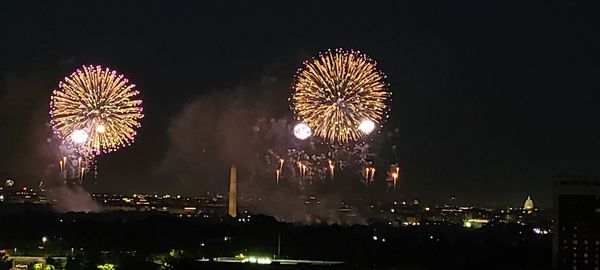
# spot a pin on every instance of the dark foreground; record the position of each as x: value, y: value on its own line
x: 132, y: 240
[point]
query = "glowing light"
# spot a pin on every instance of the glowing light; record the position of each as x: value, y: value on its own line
x: 393, y: 175
x: 475, y: 223
x: 106, y: 266
x: 278, y: 171
x: 367, y: 126
x: 100, y: 128
x: 99, y: 102
x: 301, y: 168
x: 540, y: 231
x: 79, y: 136
x: 254, y: 259
x: 62, y: 165
x: 528, y: 206
x: 336, y: 91
x: 302, y: 131
x: 81, y: 174
x: 368, y: 175
x: 331, y: 169
x: 263, y: 260
x: 9, y: 183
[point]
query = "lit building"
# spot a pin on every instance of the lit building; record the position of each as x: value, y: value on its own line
x: 528, y: 206
x: 576, y: 242
x: 475, y: 223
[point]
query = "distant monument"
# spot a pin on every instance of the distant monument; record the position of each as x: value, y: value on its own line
x: 232, y: 192
x: 528, y: 206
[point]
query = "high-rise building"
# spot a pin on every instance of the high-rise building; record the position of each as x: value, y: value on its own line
x: 576, y: 243
x: 232, y: 192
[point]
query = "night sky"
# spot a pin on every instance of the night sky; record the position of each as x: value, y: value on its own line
x: 491, y: 101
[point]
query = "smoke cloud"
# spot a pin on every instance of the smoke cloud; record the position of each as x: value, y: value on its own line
x: 28, y: 140
x: 24, y: 118
x: 72, y: 199
x: 216, y: 130
x: 250, y: 126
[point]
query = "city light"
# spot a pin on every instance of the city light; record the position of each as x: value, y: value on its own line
x: 540, y: 231
x: 264, y: 260
x: 9, y: 183
x: 106, y: 266
x: 254, y: 259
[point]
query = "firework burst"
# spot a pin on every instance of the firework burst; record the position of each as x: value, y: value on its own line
x: 340, y: 95
x: 97, y: 109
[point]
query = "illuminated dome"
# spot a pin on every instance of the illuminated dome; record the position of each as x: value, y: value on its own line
x: 528, y: 204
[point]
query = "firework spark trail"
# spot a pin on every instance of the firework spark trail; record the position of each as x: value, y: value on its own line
x: 369, y: 175
x: 393, y: 175
x: 336, y: 92
x: 306, y: 167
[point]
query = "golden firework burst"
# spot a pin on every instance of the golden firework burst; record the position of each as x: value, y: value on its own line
x: 341, y: 95
x: 96, y: 108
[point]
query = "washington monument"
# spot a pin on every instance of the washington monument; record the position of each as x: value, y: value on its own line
x: 232, y: 192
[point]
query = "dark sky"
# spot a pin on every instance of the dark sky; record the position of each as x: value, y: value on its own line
x: 491, y: 98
